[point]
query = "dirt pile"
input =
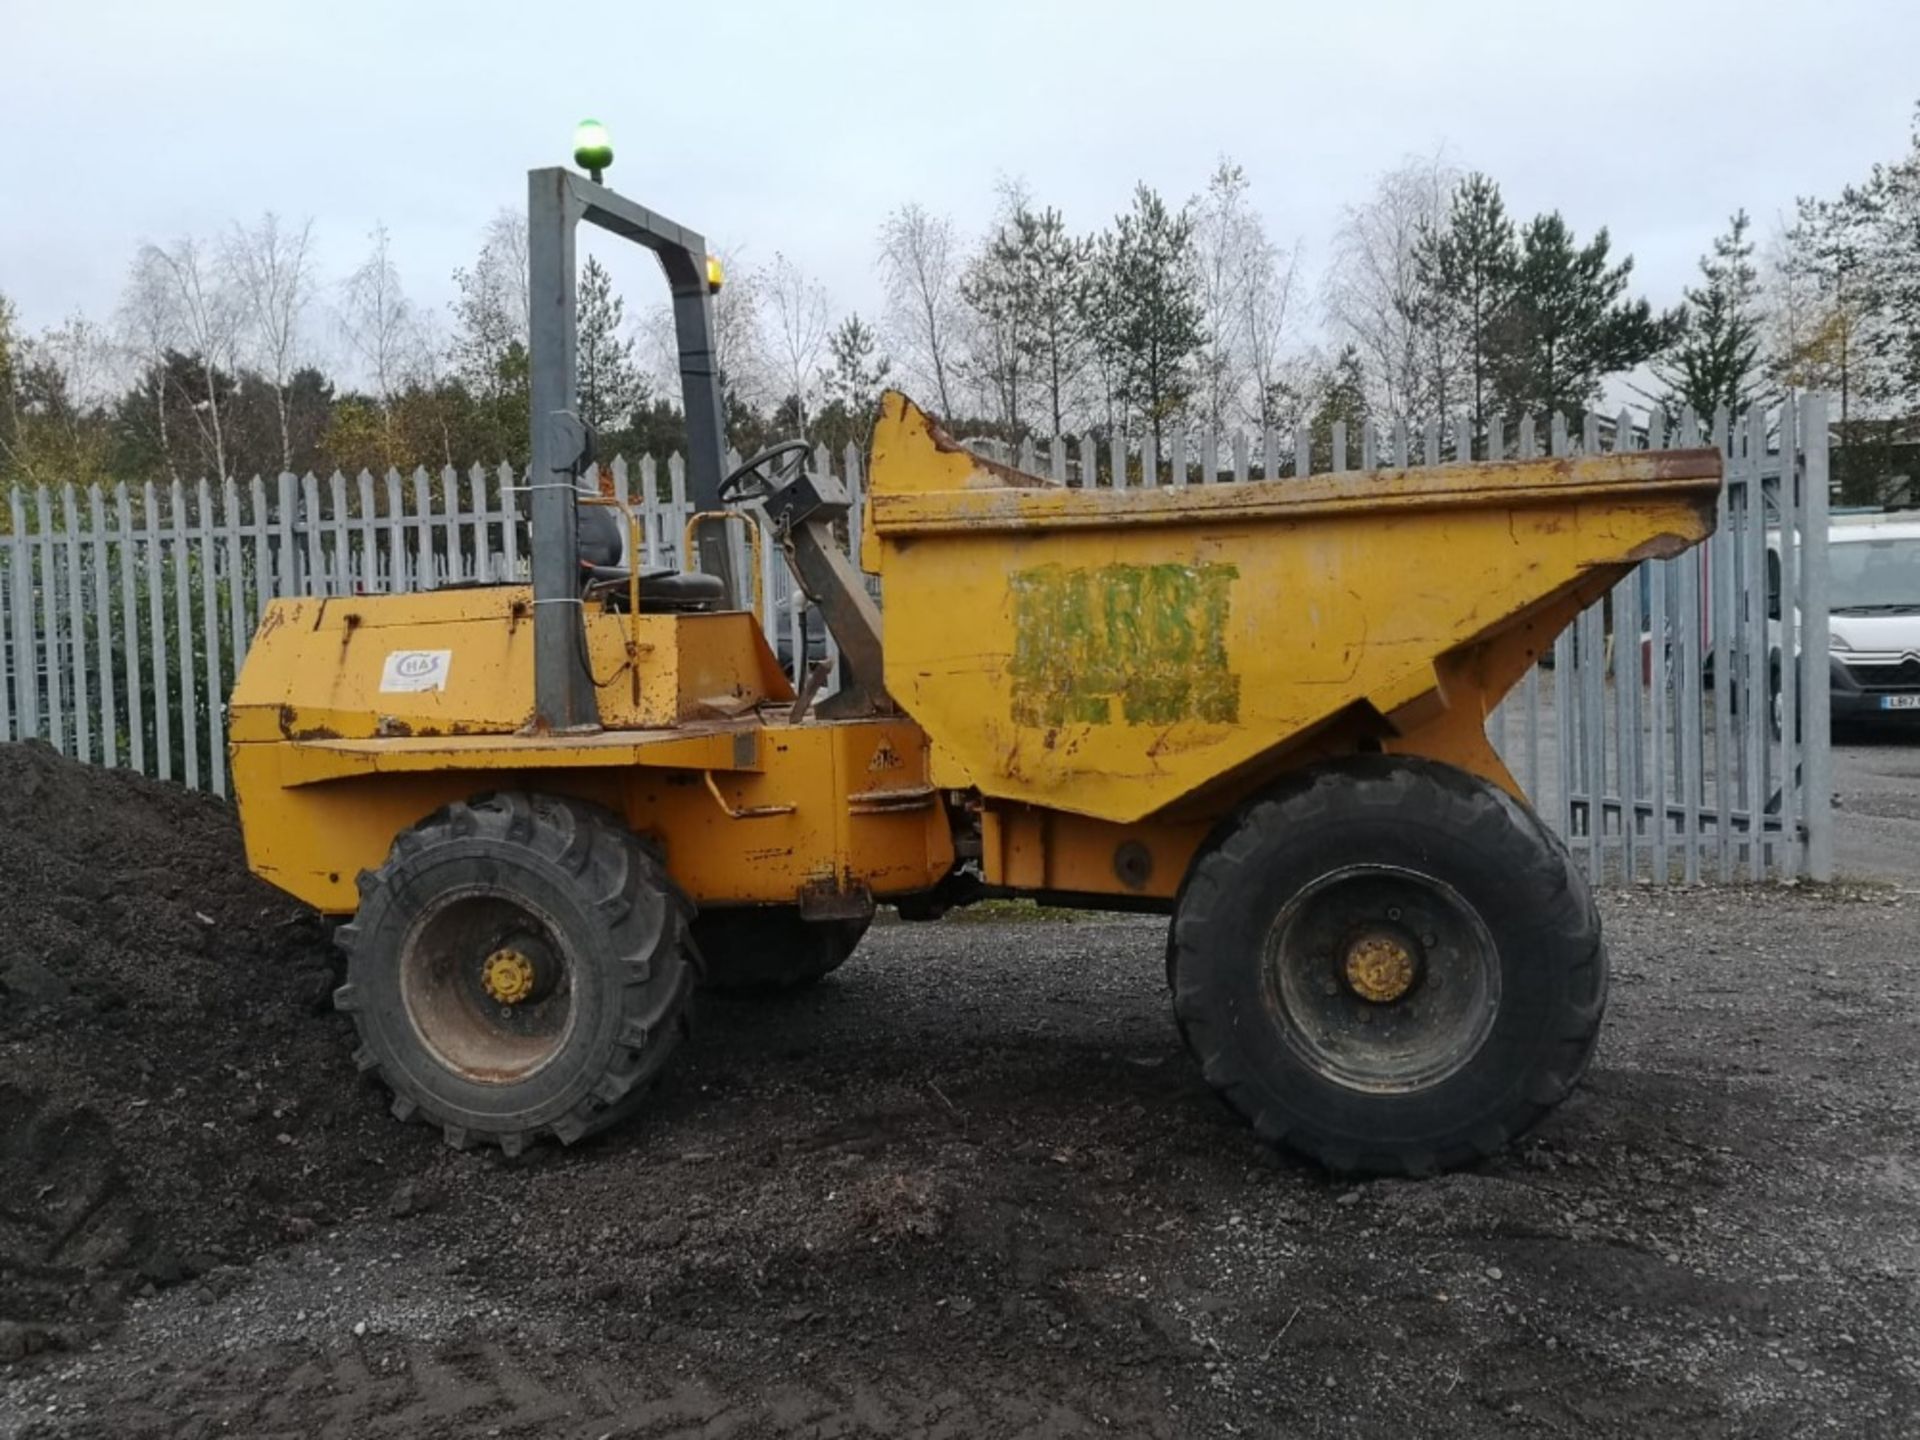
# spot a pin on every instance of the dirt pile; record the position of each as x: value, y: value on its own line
x: 170, y: 1104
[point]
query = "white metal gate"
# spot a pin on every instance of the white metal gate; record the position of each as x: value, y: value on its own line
x: 1685, y: 718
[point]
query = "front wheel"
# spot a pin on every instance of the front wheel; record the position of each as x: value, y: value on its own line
x: 1388, y: 965
x: 518, y: 969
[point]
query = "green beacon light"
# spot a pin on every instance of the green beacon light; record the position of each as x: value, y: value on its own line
x: 592, y: 148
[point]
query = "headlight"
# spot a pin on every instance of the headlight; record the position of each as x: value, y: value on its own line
x: 1837, y: 642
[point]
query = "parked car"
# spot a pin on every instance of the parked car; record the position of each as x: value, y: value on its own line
x: 1873, y: 595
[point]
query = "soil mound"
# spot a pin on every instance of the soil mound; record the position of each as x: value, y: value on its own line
x: 169, y: 1103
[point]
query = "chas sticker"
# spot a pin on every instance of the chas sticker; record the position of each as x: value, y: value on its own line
x: 412, y: 670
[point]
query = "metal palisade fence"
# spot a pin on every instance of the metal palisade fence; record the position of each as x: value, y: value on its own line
x: 1678, y: 731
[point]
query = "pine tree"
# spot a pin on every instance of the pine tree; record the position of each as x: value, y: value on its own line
x: 1568, y: 326
x: 1058, y: 263
x: 611, y: 384
x: 1147, y: 313
x: 1715, y: 360
x: 856, y: 374
x: 1341, y: 398
x: 1465, y: 269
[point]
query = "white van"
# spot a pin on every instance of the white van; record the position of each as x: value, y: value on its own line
x: 1873, y: 594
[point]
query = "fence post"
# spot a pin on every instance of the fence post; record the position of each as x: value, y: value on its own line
x: 336, y: 542
x: 183, y: 635
x: 288, y: 574
x: 1562, y: 663
x: 1754, y: 611
x: 77, y: 627
x: 26, y: 678
x: 424, y: 577
x: 50, y: 618
x: 1792, y: 855
x: 103, y: 626
x: 1816, y: 646
x: 8, y: 549
x: 157, y: 633
x: 210, y: 622
x: 130, y: 632
x: 232, y: 546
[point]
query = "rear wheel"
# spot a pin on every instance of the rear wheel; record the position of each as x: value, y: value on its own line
x: 769, y: 948
x: 1388, y: 965
x: 518, y: 969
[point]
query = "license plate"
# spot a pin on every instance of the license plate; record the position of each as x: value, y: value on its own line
x: 1900, y: 702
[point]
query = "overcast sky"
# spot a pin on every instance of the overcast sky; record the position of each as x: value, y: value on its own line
x: 796, y: 126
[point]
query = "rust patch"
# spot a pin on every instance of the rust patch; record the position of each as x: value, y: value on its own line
x: 1658, y: 547
x: 1701, y: 464
x: 288, y: 720
x: 1006, y: 474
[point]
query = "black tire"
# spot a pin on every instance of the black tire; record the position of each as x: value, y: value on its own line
x: 603, y: 966
x: 766, y: 949
x: 1452, y: 880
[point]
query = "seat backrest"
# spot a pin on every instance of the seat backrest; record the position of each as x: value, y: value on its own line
x: 598, y: 536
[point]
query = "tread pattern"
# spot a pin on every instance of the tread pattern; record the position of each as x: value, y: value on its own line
x: 621, y: 881
x: 1453, y: 805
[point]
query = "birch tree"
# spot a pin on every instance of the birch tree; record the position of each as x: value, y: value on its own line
x: 1267, y: 308
x: 491, y: 312
x: 187, y: 303
x: 920, y: 268
x: 997, y: 286
x: 1223, y: 238
x: 272, y: 273
x: 1372, y: 288
x: 797, y: 308
x: 375, y: 318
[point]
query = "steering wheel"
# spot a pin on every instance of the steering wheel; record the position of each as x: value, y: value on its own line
x: 760, y: 476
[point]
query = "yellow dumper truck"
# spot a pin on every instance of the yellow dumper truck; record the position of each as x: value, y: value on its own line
x: 553, y: 809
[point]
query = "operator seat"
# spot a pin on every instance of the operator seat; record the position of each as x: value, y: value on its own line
x: 661, y: 591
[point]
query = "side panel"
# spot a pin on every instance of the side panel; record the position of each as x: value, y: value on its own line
x: 460, y: 662
x: 1113, y: 672
x: 832, y: 807
x: 1024, y: 848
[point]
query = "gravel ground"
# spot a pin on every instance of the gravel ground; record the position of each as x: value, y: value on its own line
x: 972, y: 1186
x: 1876, y: 779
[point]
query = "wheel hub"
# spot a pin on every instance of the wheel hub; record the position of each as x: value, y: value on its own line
x: 1381, y: 978
x: 508, y: 975
x: 485, y: 986
x: 1380, y: 967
